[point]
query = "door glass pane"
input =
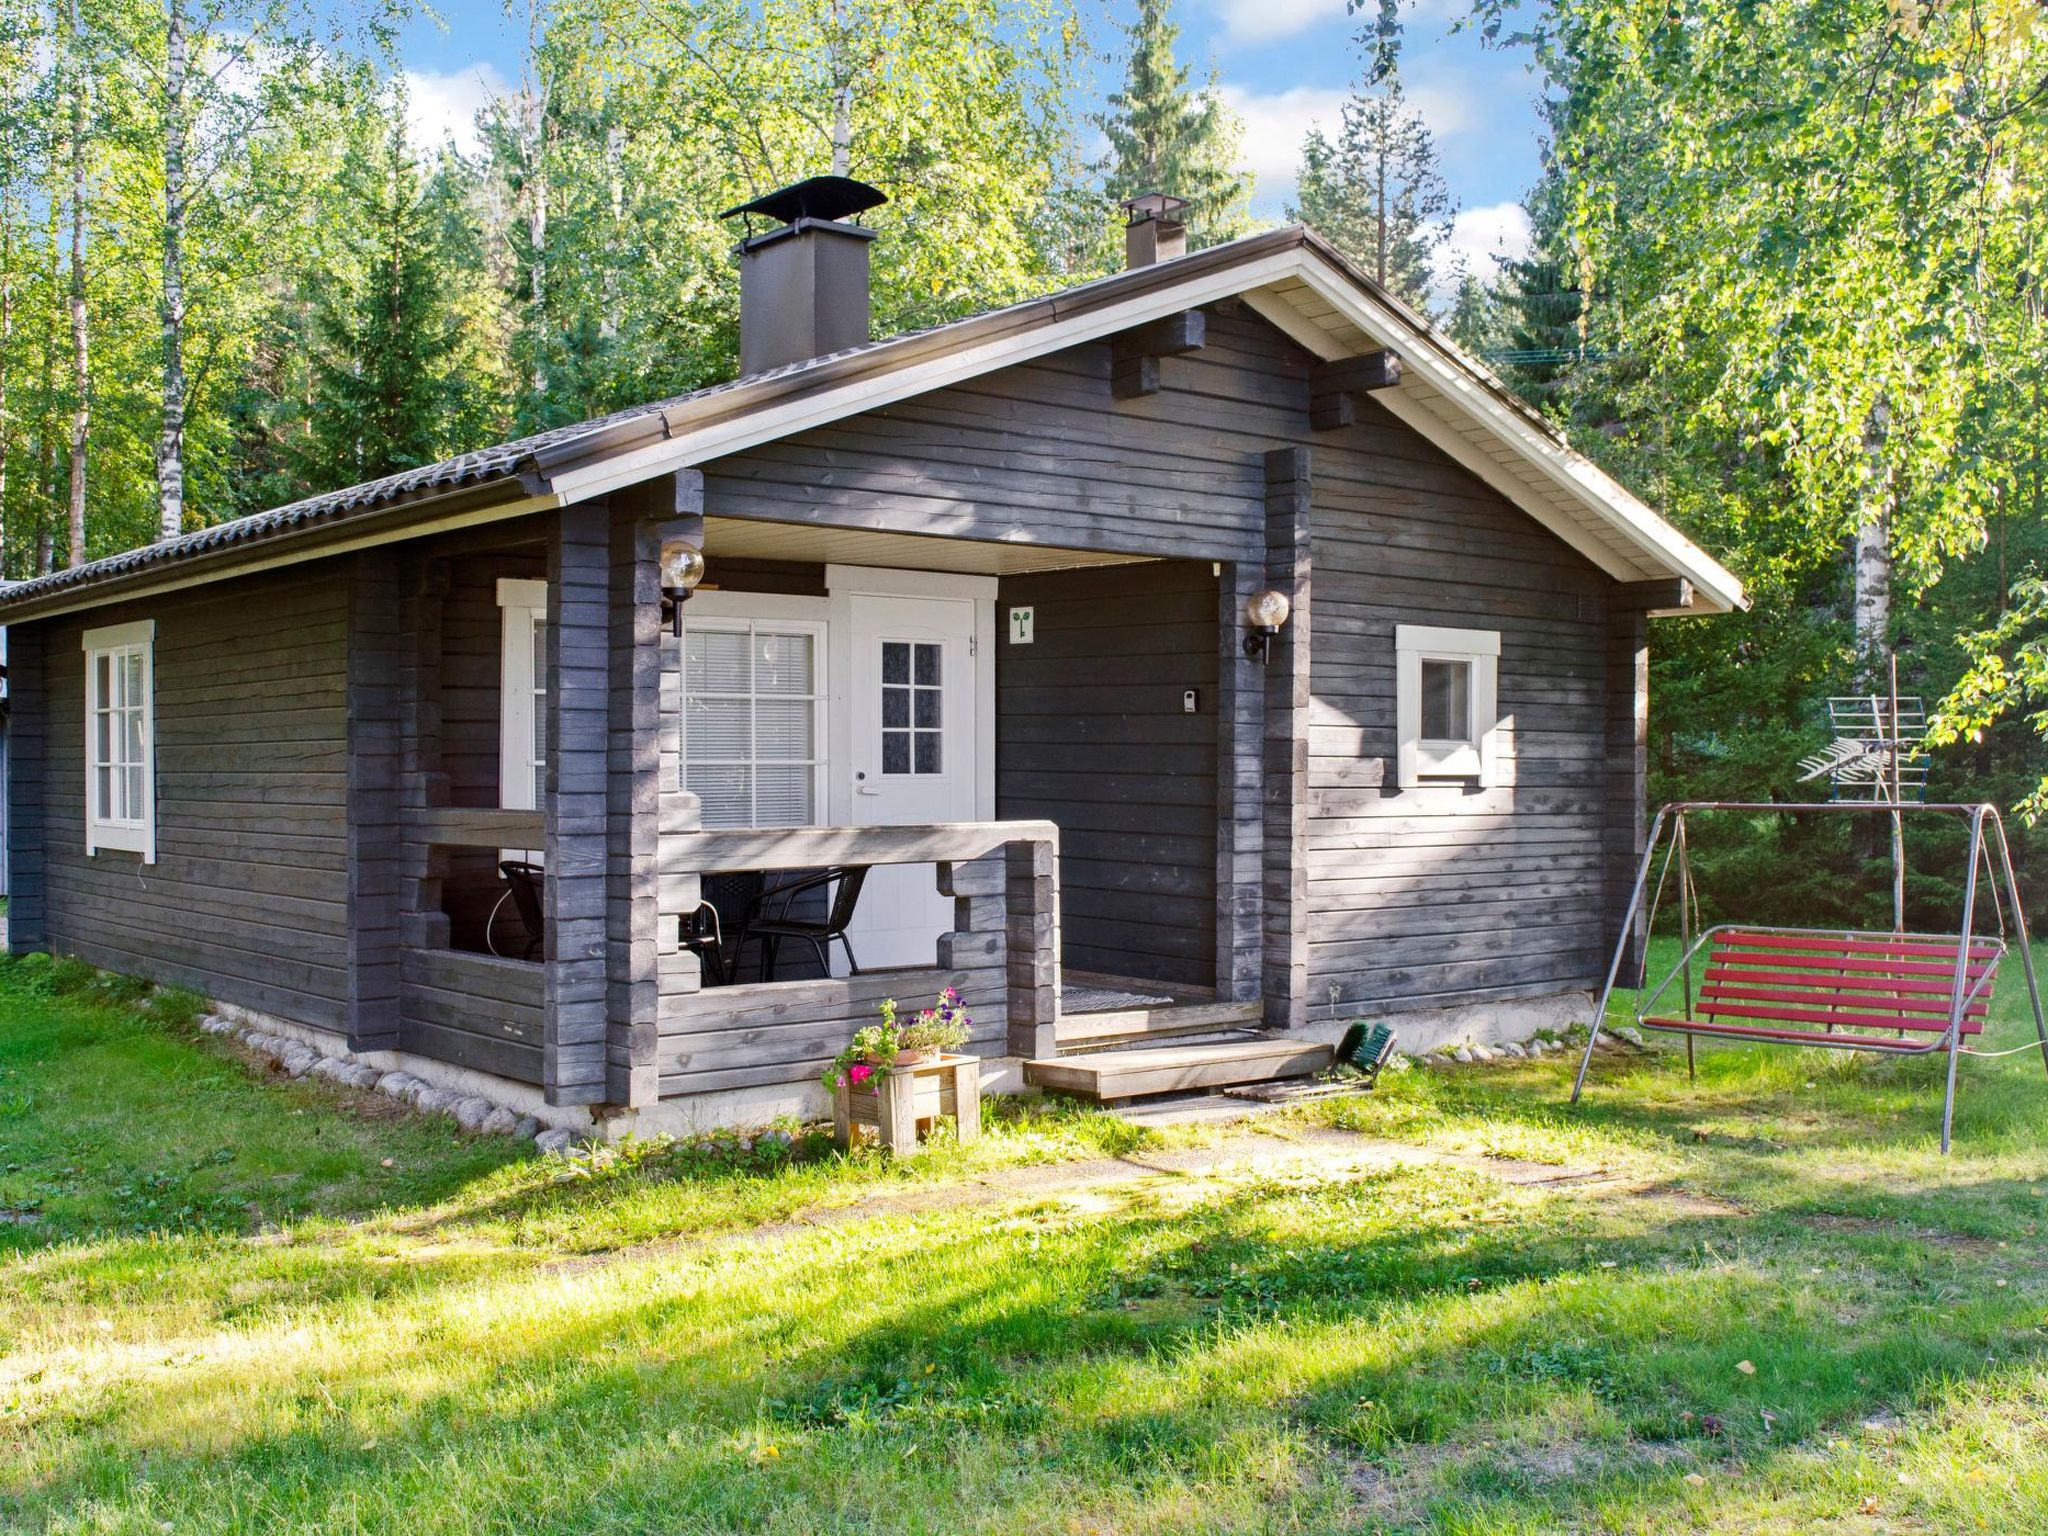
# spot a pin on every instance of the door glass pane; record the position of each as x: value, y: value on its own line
x: 895, y: 662
x: 895, y: 708
x: 1446, y: 700
x: 928, y: 752
x: 928, y: 666
x: 927, y: 709
x: 895, y: 751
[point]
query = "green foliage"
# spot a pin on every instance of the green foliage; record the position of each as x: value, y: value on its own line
x: 1164, y: 137
x: 1375, y: 190
x: 391, y: 388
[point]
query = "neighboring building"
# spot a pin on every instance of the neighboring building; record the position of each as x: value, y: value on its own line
x: 975, y: 615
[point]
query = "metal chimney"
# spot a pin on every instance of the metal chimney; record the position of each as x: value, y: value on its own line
x: 804, y: 285
x: 1156, y: 231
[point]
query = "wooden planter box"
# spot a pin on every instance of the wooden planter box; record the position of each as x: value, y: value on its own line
x: 907, y: 1102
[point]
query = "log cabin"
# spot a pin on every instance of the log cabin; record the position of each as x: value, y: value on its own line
x: 1188, y: 662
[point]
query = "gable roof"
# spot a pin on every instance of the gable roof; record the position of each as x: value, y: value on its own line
x: 1290, y: 276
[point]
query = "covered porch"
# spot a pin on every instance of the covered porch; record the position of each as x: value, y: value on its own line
x: 1047, y: 765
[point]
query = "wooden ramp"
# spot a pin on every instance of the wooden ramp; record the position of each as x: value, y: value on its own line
x: 1135, y: 1072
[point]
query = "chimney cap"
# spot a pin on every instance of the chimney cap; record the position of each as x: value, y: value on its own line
x: 1154, y: 205
x: 818, y: 197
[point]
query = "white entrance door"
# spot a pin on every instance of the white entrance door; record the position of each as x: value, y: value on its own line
x: 914, y: 758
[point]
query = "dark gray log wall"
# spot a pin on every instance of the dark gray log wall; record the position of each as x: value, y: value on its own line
x: 27, y: 788
x: 248, y: 901
x: 1417, y: 899
x: 1091, y: 733
x: 1440, y: 895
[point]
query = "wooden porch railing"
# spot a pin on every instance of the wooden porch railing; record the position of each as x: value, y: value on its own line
x: 1003, y: 877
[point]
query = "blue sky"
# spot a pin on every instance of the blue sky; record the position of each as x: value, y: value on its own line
x: 1282, y: 65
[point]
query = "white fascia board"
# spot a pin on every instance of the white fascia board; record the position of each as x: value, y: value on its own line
x: 749, y: 429
x: 1586, y: 482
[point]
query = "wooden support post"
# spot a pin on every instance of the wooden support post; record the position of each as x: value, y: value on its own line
x: 422, y: 783
x: 633, y: 796
x: 1332, y: 385
x: 574, y: 1026
x: 376, y: 851
x: 1626, y: 761
x: 27, y: 789
x: 1034, y: 948
x: 679, y: 973
x: 1240, y: 780
x: 1284, y: 852
x: 1135, y: 354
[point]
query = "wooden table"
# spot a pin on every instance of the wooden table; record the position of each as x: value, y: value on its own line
x: 910, y: 1100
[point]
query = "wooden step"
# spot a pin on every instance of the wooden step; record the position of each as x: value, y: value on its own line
x: 1086, y: 1031
x: 1138, y: 1071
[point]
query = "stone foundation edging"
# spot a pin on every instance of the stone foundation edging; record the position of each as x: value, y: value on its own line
x: 476, y: 1101
x: 1473, y: 1027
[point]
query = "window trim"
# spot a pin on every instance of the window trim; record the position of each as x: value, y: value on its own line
x: 1475, y: 757
x: 820, y: 631
x: 520, y: 685
x: 134, y: 834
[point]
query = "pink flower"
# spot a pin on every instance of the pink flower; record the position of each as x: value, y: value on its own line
x: 858, y: 1073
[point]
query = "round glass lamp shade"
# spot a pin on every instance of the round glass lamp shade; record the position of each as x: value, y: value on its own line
x: 1267, y: 610
x: 682, y: 566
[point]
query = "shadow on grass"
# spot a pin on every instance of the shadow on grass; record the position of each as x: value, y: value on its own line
x: 882, y: 1379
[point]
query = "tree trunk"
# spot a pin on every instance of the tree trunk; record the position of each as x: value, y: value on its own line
x: 1871, y: 604
x: 81, y: 378
x: 842, y: 100
x: 170, y: 451
x: 533, y: 148
x: 615, y: 204
x: 6, y: 347
x: 46, y: 436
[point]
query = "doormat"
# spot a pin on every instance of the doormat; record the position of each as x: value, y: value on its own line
x: 1106, y: 1000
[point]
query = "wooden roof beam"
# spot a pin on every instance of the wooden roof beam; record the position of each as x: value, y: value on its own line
x: 1135, y: 354
x: 1671, y: 595
x: 1332, y: 385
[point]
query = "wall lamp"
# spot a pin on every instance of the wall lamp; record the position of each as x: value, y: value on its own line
x: 1265, y: 613
x: 682, y: 567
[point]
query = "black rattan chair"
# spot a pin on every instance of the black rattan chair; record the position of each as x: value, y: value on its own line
x: 527, y: 882
x: 771, y: 919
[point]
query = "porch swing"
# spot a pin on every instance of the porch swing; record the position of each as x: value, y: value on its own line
x: 1891, y: 993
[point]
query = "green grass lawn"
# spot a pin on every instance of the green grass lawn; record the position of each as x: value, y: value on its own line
x: 238, y: 1304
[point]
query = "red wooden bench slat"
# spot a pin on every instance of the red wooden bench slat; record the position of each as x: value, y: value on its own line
x: 1792, y: 1036
x: 1875, y: 944
x: 1848, y: 965
x: 1933, y: 1006
x: 1858, y: 983
x: 1972, y: 1025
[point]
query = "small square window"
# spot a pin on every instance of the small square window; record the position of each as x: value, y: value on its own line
x: 1446, y: 700
x: 1446, y: 714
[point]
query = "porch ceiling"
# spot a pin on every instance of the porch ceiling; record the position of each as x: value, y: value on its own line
x: 746, y: 539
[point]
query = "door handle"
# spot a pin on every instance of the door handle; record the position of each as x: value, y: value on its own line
x: 861, y: 786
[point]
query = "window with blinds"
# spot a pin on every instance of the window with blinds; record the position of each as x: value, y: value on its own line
x: 753, y: 721
x: 120, y: 747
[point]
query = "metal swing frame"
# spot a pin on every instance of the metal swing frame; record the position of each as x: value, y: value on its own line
x: 1668, y: 833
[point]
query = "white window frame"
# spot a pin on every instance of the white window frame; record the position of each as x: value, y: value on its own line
x: 522, y: 686
x: 766, y: 617
x: 132, y: 834
x: 1473, y: 758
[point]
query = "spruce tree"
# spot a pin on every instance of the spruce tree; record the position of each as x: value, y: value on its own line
x: 385, y: 395
x: 1164, y: 137
x: 1375, y: 190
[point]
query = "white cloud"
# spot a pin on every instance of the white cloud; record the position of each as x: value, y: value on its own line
x: 1477, y: 236
x: 1275, y: 123
x: 1259, y: 21
x: 443, y: 106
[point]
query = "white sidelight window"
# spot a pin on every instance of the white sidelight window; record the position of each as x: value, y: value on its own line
x: 1446, y: 711
x: 120, y: 739
x: 523, y: 715
x: 754, y: 720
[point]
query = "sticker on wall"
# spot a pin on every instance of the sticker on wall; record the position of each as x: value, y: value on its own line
x: 1020, y: 625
